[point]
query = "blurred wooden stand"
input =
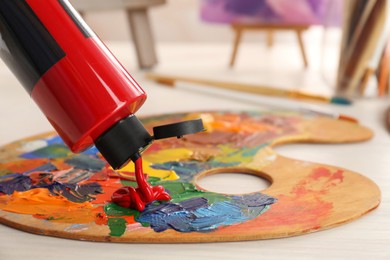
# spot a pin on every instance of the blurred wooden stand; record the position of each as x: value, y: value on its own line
x: 239, y: 28
x: 137, y: 13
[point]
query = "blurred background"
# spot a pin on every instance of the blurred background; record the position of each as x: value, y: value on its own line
x: 285, y: 44
x: 277, y: 44
x: 196, y: 38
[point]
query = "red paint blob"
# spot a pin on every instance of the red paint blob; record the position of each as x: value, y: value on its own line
x: 128, y: 197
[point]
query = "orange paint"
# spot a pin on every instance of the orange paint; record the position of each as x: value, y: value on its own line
x: 23, y: 165
x: 304, y: 213
x: 109, y: 187
x: 306, y: 210
x: 319, y: 181
x: 129, y: 219
x: 100, y: 216
x: 41, y: 202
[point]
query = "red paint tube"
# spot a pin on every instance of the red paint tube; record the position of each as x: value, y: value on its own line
x: 84, y: 92
x: 82, y: 89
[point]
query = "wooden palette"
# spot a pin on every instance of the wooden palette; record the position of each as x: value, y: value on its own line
x: 45, y: 189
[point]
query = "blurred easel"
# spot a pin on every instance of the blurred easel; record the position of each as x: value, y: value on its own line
x: 239, y: 28
x: 137, y: 14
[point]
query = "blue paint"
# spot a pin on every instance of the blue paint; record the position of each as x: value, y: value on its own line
x: 76, y: 227
x: 57, y: 140
x: 218, y: 214
x: 186, y: 170
x: 197, y: 214
x: 14, y: 182
x: 48, y: 167
x: 8, y: 176
x: 54, y: 140
x: 253, y: 200
x: 93, y: 151
x: 85, y: 162
x: 194, y: 203
x: 74, y: 192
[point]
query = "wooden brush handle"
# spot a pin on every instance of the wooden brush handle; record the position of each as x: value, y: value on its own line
x: 246, y: 88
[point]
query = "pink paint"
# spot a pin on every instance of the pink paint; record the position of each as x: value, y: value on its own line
x: 129, y: 197
x: 318, y: 182
x: 320, y: 172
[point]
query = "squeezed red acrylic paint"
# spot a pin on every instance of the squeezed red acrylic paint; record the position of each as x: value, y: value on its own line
x: 145, y: 193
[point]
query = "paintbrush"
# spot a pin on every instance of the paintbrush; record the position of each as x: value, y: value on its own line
x: 327, y: 113
x: 248, y: 88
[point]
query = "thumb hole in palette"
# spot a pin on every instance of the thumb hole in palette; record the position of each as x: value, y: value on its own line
x: 232, y: 182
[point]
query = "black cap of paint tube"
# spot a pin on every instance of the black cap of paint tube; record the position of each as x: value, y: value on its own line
x: 123, y: 142
x: 128, y: 138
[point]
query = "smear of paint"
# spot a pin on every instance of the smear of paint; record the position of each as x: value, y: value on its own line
x: 305, y: 204
x: 319, y: 181
x: 72, y: 175
x: 23, y: 165
x: 40, y: 201
x: 186, y: 170
x: 52, y: 151
x: 81, y: 178
x: 169, y: 155
x: 147, y: 167
x: 181, y: 191
x: 197, y: 214
x: 14, y: 182
x: 117, y: 226
x: 85, y: 162
x: 76, y: 228
x: 33, y: 180
x: 234, y: 156
x: 109, y: 187
x: 5, y: 172
x: 41, y: 179
x: 75, y: 192
x: 47, y: 167
x: 54, y: 140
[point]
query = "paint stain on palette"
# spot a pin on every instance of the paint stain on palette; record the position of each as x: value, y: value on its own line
x: 45, y: 189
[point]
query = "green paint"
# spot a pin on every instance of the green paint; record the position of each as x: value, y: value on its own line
x: 251, y: 152
x: 52, y: 151
x: 180, y: 191
x: 114, y: 210
x: 5, y: 172
x: 129, y: 183
x: 117, y: 226
x: 133, y: 184
x: 152, y: 180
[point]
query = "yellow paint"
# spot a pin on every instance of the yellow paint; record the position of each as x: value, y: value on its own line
x: 231, y: 154
x: 167, y: 155
x: 263, y: 158
x: 160, y: 157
